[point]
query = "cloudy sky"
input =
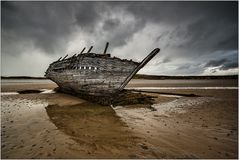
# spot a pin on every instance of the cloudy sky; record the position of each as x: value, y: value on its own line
x: 195, y: 38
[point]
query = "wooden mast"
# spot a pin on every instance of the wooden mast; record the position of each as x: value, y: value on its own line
x: 59, y: 59
x: 90, y: 49
x: 106, y: 47
x: 82, y: 50
x: 143, y: 63
x: 65, y: 57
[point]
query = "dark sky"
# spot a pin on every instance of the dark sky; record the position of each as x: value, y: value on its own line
x: 195, y: 38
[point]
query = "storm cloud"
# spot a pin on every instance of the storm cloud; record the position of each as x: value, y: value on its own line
x: 231, y: 62
x: 194, y: 37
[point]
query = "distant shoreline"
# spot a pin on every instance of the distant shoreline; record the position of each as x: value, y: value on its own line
x: 143, y: 76
x: 21, y: 77
x: 162, y: 77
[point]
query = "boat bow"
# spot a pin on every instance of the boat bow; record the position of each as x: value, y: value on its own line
x: 141, y: 65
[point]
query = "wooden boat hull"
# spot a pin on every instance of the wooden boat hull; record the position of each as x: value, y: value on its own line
x: 92, y: 74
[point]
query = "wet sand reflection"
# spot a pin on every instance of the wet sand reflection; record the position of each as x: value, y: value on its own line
x: 96, y: 128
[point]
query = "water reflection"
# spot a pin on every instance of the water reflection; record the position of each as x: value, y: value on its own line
x: 95, y: 127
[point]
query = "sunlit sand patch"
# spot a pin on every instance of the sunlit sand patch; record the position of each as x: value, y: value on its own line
x: 8, y: 93
x: 178, y: 105
x: 168, y: 95
x: 47, y: 91
x: 40, y: 91
x: 161, y: 109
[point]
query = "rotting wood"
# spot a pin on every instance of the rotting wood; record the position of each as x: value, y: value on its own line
x: 59, y: 59
x: 142, y: 64
x: 94, y: 74
x: 65, y: 57
x: 106, y: 47
x: 82, y: 50
x: 90, y: 49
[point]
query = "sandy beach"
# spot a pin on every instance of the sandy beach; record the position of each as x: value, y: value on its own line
x: 57, y: 125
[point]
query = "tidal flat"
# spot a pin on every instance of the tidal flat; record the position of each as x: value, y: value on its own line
x: 58, y: 125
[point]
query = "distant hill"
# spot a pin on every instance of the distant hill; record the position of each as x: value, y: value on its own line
x: 21, y: 77
x: 143, y: 76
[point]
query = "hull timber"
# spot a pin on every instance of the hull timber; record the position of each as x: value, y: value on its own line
x: 94, y: 74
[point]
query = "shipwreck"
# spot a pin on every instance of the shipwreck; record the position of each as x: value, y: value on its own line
x: 91, y: 74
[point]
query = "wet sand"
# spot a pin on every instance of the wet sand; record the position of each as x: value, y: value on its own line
x: 57, y: 125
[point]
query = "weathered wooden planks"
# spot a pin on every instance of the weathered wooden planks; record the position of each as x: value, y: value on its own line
x: 94, y: 74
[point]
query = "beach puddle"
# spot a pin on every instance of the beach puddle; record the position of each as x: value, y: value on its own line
x: 181, y: 124
x: 96, y: 128
x: 163, y: 94
x: 29, y: 91
x: 27, y: 132
x: 22, y: 121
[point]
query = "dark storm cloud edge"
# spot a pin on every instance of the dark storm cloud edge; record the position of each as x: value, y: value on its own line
x: 223, y: 64
x: 49, y: 25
